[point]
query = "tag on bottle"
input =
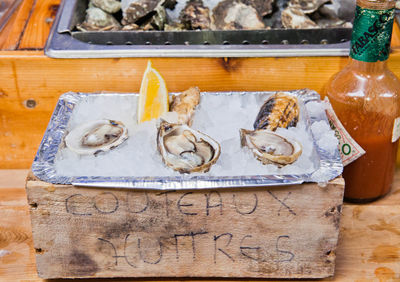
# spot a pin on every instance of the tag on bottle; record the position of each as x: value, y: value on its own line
x: 396, y: 130
x: 348, y: 147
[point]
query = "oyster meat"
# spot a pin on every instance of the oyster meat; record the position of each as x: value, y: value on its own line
x: 185, y: 103
x: 195, y: 15
x: 270, y: 147
x: 279, y: 110
x: 231, y: 15
x: 96, y: 136
x: 185, y: 149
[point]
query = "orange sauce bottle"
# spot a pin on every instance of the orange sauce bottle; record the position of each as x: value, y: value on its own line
x: 365, y: 95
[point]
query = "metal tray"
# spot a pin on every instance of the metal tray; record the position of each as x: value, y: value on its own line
x: 66, y: 42
x: 329, y: 166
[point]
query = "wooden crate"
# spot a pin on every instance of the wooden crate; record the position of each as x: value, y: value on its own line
x: 264, y: 232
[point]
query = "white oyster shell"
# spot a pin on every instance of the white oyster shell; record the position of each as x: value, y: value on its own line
x: 96, y: 136
x: 186, y: 150
x: 270, y: 147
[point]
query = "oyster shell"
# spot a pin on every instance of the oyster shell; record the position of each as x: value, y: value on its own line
x: 185, y: 149
x: 270, y: 147
x: 296, y: 18
x: 109, y: 6
x: 307, y: 6
x: 231, y: 15
x: 279, y: 110
x: 195, y: 15
x: 96, y: 136
x: 98, y: 20
x: 263, y: 7
x: 185, y: 103
x: 149, y: 14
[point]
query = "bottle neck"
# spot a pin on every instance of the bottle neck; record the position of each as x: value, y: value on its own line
x: 372, y: 30
x: 374, y: 68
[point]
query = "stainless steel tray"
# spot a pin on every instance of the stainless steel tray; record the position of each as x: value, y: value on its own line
x: 329, y: 166
x: 65, y: 42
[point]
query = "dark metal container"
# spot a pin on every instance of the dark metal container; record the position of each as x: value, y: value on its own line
x: 65, y: 41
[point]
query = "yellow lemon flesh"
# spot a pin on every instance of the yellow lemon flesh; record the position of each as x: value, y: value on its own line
x: 153, y: 99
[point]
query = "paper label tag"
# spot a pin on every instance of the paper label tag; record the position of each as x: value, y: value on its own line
x: 348, y: 147
x: 396, y: 130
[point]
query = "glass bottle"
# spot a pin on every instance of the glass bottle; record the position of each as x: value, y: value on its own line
x: 365, y: 95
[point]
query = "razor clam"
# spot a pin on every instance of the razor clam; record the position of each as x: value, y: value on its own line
x: 270, y: 147
x: 195, y: 15
x: 185, y: 103
x: 186, y: 150
x: 232, y: 14
x: 279, y: 110
x: 96, y: 136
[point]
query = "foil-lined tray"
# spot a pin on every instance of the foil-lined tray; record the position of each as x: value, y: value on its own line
x: 329, y: 165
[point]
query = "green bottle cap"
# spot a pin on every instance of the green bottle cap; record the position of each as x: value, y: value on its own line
x: 372, y: 32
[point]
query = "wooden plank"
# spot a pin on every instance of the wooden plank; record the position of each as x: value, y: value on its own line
x: 360, y: 255
x: 12, y: 33
x: 39, y: 24
x: 269, y: 232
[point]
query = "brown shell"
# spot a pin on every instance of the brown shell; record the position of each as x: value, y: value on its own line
x: 279, y: 110
x: 185, y: 104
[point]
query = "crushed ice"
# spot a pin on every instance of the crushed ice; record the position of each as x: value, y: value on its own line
x: 218, y: 115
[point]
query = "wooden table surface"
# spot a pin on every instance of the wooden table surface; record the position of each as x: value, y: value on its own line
x: 369, y: 240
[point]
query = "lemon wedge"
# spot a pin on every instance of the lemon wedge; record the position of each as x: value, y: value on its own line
x: 153, y: 98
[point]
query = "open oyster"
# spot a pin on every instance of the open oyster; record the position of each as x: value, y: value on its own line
x: 96, y: 136
x: 270, y: 147
x: 232, y: 14
x: 279, y: 110
x: 185, y: 103
x: 195, y: 15
x: 186, y: 150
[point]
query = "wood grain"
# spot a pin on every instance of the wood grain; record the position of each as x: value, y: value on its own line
x: 39, y: 24
x: 261, y: 232
x: 367, y: 250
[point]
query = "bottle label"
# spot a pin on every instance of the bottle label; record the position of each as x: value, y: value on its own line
x: 372, y: 32
x: 348, y: 147
x: 396, y: 130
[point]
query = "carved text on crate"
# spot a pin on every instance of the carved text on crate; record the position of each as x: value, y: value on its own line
x: 225, y: 246
x: 274, y: 232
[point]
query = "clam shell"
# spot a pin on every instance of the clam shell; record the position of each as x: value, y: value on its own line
x: 186, y: 150
x: 270, y: 147
x: 87, y: 139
